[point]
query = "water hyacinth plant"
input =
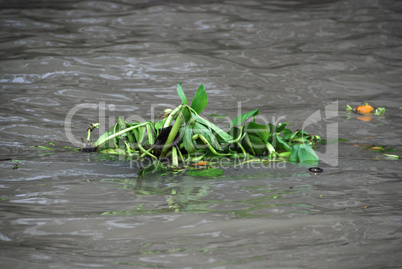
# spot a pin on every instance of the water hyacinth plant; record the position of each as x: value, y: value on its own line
x: 185, y: 141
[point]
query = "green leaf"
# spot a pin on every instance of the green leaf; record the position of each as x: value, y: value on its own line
x: 235, y: 132
x: 184, y: 101
x: 286, y: 134
x: 284, y: 154
x: 124, y: 125
x: 207, y: 133
x: 135, y: 134
x: 200, y: 100
x: 281, y: 127
x: 155, y: 166
x: 379, y: 111
x: 104, y: 136
x: 225, y: 136
x: 141, y: 134
x: 303, y: 153
x: 391, y: 156
x: 257, y: 137
x: 307, y: 154
x: 187, y: 139
x: 256, y: 145
x: 259, y: 130
x: 42, y: 147
x: 301, y: 140
x: 159, y: 124
x: 173, y: 132
x: 240, y: 119
x: 218, y: 116
x: 213, y: 172
x: 114, y: 152
x: 282, y: 145
x: 181, y: 94
x: 294, y: 157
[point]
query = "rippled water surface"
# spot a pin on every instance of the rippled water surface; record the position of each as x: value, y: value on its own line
x: 290, y: 59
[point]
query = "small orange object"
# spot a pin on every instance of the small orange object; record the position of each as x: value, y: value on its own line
x: 201, y: 163
x: 364, y: 109
x: 365, y: 118
x: 377, y: 148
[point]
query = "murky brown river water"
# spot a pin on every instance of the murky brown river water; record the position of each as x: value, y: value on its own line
x: 290, y: 59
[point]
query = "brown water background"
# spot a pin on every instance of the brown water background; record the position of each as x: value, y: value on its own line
x: 290, y: 59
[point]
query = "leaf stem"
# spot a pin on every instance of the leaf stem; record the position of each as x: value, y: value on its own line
x: 173, y: 132
x: 119, y: 133
x: 175, y: 161
x: 170, y: 117
x: 209, y: 146
x: 146, y: 152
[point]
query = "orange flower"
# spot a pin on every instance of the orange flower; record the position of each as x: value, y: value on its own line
x: 364, y: 109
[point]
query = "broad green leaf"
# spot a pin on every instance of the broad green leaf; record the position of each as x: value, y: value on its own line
x: 246, y: 143
x: 259, y: 130
x: 104, y: 136
x: 124, y: 125
x: 213, y: 172
x: 272, y: 128
x: 181, y: 94
x: 282, y: 145
x: 159, y: 125
x: 256, y: 143
x: 240, y: 119
x: 281, y: 127
x: 303, y: 153
x: 135, y: 134
x: 140, y: 133
x: 286, y: 134
x: 294, y: 156
x: 307, y: 154
x: 207, y: 133
x: 187, y: 139
x: 200, y: 100
x: 225, y: 136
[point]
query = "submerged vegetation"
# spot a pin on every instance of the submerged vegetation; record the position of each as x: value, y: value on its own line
x: 183, y: 140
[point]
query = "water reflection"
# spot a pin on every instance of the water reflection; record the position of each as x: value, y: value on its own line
x: 188, y: 194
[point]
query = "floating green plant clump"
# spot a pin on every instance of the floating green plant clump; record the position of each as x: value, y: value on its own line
x: 183, y: 141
